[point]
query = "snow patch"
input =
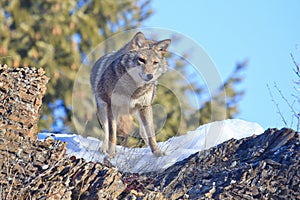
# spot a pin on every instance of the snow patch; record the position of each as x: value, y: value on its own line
x: 140, y: 160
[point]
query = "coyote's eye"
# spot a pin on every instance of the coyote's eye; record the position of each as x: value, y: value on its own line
x: 141, y: 60
x: 155, y: 63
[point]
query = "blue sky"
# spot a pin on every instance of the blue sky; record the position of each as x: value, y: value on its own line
x: 264, y: 32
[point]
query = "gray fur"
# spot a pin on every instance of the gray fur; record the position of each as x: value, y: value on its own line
x: 124, y: 82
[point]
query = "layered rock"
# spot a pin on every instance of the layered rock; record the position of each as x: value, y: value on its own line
x: 257, y: 167
x: 21, y: 93
x: 39, y: 170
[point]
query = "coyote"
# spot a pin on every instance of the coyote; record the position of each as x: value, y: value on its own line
x: 124, y: 82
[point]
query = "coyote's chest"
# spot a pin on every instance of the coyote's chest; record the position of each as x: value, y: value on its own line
x: 142, y: 96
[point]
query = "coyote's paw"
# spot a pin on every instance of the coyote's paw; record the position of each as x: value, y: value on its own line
x: 103, y: 148
x: 159, y: 153
x: 112, y: 153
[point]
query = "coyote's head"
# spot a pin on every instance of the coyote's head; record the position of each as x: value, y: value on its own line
x: 145, y: 59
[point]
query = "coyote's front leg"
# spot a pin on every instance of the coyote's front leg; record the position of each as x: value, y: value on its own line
x: 112, y: 124
x: 102, y: 117
x: 146, y: 117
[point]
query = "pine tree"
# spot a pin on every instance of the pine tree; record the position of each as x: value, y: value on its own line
x: 56, y: 35
x: 229, y: 90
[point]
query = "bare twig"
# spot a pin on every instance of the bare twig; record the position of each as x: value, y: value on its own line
x: 297, y: 90
x: 297, y: 71
x: 298, y: 122
x: 277, y: 106
x: 297, y: 115
x: 285, y: 99
x: 296, y: 97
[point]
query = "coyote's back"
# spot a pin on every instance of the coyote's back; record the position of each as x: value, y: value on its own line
x: 124, y: 82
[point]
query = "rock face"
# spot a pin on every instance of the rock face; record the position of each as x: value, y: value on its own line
x: 21, y: 93
x: 257, y: 167
x: 39, y: 170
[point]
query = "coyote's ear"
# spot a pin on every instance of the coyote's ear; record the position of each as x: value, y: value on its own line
x: 138, y: 41
x: 162, y: 46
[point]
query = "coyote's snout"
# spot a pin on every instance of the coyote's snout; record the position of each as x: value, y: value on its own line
x: 124, y: 82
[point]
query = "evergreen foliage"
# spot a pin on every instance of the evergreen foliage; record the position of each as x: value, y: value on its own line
x: 57, y: 35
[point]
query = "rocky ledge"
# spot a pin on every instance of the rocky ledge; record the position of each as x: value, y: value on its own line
x: 21, y: 93
x: 257, y: 167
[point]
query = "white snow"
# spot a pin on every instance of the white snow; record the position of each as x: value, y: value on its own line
x: 139, y: 160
